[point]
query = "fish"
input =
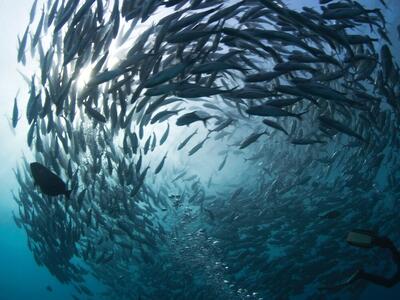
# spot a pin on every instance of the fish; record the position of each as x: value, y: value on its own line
x: 198, y: 146
x: 15, y: 115
x: 49, y: 183
x: 266, y: 110
x: 191, y: 19
x: 196, y: 91
x: 166, y: 74
x: 330, y: 123
x: 387, y: 63
x: 163, y: 115
x: 94, y: 114
x: 214, y: 67
x: 283, y: 102
x: 32, y: 12
x: 186, y: 140
x: 263, y: 76
x: 306, y: 141
x: 38, y: 31
x: 160, y: 165
x: 275, y: 125
x: 398, y: 31
x: 222, y: 125
x: 189, y: 118
x: 252, y: 138
x: 188, y: 36
x: 22, y: 46
x: 222, y: 164
x: 165, y: 135
x: 62, y: 19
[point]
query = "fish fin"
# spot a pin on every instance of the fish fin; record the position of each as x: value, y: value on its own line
x: 205, y: 121
x: 68, y: 194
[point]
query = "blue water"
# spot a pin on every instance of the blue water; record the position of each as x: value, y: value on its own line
x: 20, y: 277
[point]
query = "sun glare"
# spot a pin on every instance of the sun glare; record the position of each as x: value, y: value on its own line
x: 84, y: 77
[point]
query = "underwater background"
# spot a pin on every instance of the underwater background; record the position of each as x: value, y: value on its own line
x: 22, y: 278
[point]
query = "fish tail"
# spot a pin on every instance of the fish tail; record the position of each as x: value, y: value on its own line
x: 205, y: 120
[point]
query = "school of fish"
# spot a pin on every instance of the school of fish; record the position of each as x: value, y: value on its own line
x: 130, y: 100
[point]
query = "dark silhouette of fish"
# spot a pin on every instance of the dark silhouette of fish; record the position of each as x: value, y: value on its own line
x: 50, y: 184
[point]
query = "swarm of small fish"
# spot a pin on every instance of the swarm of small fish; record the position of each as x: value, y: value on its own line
x: 309, y: 98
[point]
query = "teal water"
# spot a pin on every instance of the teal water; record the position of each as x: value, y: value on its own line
x: 20, y: 277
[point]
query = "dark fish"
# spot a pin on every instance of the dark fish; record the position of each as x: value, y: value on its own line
x: 32, y: 12
x: 306, y: 141
x: 189, y: 118
x: 188, y: 36
x: 214, y: 67
x: 251, y: 139
x: 191, y: 19
x: 165, y: 75
x: 91, y: 112
x: 185, y: 141
x: 398, y: 31
x: 22, y: 46
x: 283, y: 102
x: 195, y: 91
x: 222, y: 125
x: 266, y: 110
x: 338, y: 126
x: 275, y: 125
x: 38, y: 31
x: 49, y: 183
x: 161, y: 164
x: 387, y: 62
x: 221, y: 166
x: 263, y: 76
x: 163, y: 115
x: 164, y: 136
x: 15, y: 114
x: 198, y: 146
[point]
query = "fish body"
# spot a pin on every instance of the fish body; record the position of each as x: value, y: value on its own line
x: 338, y: 126
x: 275, y: 125
x: 185, y: 141
x: 189, y: 118
x: 49, y: 183
x: 198, y: 146
x: 266, y: 110
x: 160, y: 165
x: 15, y: 114
x: 251, y: 139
